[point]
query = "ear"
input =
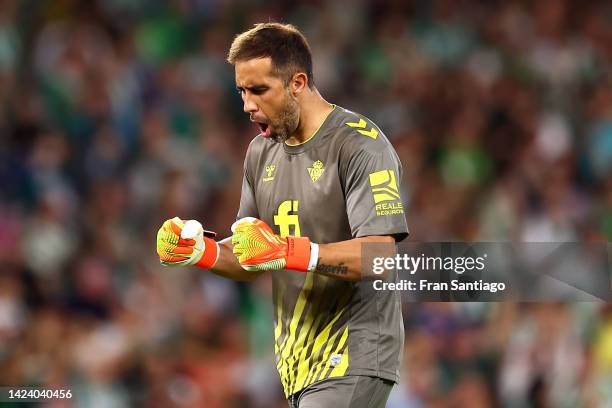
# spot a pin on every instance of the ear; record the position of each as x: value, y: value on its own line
x: 298, y: 83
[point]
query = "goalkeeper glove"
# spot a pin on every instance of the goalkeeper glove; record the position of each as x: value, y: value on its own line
x: 259, y: 249
x: 180, y: 246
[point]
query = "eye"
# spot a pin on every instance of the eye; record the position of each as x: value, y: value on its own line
x: 260, y: 90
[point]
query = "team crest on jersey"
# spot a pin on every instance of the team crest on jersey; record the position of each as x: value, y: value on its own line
x: 316, y: 171
x: 269, y: 172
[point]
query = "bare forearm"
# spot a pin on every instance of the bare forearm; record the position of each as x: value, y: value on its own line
x: 342, y: 260
x: 227, y: 265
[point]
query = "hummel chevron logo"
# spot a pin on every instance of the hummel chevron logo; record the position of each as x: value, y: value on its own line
x: 361, y: 125
x: 270, y: 172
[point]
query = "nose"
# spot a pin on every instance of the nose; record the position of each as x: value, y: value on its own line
x: 249, y: 105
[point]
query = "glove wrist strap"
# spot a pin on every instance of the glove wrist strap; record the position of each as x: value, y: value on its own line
x: 298, y: 253
x: 314, y: 256
x: 210, y: 255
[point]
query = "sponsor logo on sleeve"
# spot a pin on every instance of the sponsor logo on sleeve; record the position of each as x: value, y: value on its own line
x: 385, y: 193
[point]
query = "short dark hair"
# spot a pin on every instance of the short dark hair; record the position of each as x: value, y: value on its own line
x: 283, y: 43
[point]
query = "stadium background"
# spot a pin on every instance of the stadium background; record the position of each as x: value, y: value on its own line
x: 119, y: 114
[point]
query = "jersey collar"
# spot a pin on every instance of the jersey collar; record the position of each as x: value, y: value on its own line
x: 312, y: 140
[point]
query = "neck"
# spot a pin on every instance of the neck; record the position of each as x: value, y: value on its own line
x: 313, y: 111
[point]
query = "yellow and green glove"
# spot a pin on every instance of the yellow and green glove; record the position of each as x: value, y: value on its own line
x: 182, y: 243
x: 259, y: 249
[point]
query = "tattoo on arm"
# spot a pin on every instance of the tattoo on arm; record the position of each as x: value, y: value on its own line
x: 337, y: 269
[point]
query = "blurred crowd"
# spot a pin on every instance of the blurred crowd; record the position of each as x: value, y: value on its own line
x: 118, y: 114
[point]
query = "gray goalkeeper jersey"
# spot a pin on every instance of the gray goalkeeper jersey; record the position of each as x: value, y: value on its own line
x: 342, y: 183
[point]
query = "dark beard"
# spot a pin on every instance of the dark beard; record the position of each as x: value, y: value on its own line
x: 279, y: 138
x: 288, y: 121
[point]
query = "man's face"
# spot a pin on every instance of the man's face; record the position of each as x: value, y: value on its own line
x: 266, y: 99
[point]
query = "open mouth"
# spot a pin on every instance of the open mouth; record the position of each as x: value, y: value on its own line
x: 264, y: 128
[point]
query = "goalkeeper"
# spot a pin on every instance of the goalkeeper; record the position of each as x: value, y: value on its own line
x: 319, y: 181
